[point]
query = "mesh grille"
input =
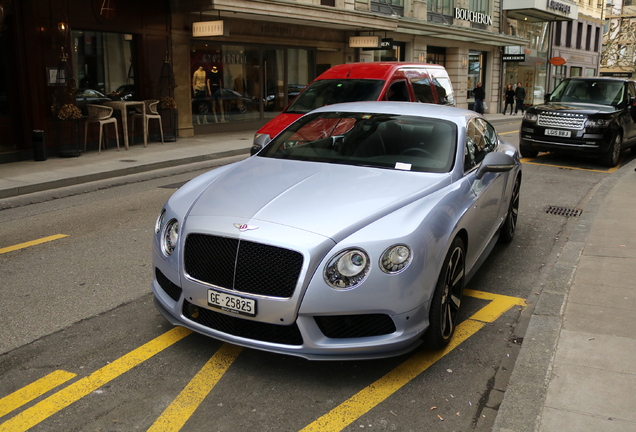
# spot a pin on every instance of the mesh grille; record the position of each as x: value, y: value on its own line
x: 353, y: 326
x: 173, y: 290
x: 242, y: 265
x: 569, y: 121
x: 288, y: 335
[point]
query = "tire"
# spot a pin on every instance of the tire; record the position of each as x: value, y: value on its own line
x: 610, y: 158
x: 447, y: 298
x: 507, y: 231
x: 528, y: 152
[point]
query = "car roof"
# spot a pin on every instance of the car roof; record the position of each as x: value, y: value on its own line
x: 371, y: 70
x: 442, y: 112
x: 599, y: 78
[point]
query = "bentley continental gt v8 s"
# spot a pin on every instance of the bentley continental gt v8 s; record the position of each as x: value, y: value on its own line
x: 351, y: 235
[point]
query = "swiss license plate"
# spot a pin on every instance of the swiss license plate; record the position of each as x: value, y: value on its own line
x: 558, y: 132
x: 232, y: 303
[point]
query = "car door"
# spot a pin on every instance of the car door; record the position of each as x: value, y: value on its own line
x: 488, y: 192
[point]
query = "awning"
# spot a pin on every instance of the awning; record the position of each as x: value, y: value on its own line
x: 541, y: 10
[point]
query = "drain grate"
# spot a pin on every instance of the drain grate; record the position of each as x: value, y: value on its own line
x: 563, y: 211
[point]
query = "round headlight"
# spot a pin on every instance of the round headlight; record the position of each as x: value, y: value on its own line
x: 170, y: 237
x: 347, y: 269
x: 159, y: 221
x: 395, y: 259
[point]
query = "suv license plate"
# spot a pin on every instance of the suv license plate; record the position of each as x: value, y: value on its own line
x: 232, y: 303
x: 557, y: 132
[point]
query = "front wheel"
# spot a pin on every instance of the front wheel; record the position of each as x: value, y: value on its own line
x: 528, y: 152
x: 507, y: 232
x: 610, y: 158
x: 447, y: 298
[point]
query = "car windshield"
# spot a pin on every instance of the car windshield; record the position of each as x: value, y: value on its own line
x: 598, y: 92
x: 328, y: 92
x: 388, y: 141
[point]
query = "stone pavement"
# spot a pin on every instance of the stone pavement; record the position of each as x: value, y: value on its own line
x: 574, y: 370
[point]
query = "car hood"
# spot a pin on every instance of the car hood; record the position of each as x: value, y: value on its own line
x: 329, y: 200
x: 582, y: 108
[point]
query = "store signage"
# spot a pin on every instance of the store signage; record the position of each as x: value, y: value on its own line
x: 559, y: 7
x: 209, y: 28
x: 557, y: 61
x: 476, y: 17
x: 514, y: 57
x: 364, y: 42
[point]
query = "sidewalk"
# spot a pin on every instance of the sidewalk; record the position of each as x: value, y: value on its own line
x: 575, y: 371
x: 575, y: 368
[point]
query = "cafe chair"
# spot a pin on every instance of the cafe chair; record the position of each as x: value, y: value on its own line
x: 150, y: 114
x: 102, y: 115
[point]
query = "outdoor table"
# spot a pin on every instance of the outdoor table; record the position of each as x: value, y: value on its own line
x: 122, y: 106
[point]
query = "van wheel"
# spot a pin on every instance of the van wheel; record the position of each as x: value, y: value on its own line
x: 610, y: 158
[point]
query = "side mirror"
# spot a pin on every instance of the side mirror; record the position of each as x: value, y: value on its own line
x: 260, y: 141
x: 495, y: 162
x: 546, y: 97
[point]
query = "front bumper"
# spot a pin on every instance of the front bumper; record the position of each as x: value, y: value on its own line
x: 580, y: 141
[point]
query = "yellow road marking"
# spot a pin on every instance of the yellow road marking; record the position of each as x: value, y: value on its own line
x: 74, y: 392
x: 182, y: 408
x: 26, y: 394
x: 531, y: 161
x: 31, y: 243
x: 366, y: 399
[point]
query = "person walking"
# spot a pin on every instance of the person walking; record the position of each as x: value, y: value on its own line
x: 509, y: 99
x: 480, y: 94
x: 520, y: 95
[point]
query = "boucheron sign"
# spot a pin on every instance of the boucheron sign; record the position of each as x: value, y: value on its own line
x: 209, y: 28
x: 476, y: 17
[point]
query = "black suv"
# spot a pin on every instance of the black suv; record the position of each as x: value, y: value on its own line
x: 586, y: 116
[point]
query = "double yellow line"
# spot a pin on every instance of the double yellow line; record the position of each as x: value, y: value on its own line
x: 181, y: 409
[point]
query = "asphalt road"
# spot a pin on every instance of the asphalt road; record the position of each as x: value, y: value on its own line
x: 83, y: 348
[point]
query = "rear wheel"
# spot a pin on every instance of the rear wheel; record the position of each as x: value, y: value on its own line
x: 447, y: 298
x: 610, y: 158
x: 507, y: 232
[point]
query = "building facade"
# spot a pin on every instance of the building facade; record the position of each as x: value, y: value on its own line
x: 234, y: 64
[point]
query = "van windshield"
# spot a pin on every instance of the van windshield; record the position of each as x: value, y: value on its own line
x: 590, y: 91
x: 328, y: 92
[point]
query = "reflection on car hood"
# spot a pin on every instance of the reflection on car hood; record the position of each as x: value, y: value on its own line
x: 329, y: 200
x: 583, y: 108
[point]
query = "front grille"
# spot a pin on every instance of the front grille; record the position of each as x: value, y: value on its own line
x: 562, y: 120
x: 172, y: 289
x: 242, y: 265
x: 354, y: 326
x: 265, y: 332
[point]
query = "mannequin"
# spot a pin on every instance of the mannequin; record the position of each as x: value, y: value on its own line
x: 214, y: 90
x: 198, y: 88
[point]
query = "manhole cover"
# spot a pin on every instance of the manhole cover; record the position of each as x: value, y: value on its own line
x: 563, y: 211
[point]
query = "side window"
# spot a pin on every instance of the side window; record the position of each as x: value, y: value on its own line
x: 398, y: 92
x: 422, y: 89
x: 481, y: 139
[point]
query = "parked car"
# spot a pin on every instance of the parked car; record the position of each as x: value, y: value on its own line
x: 351, y: 235
x: 589, y: 116
x: 89, y: 96
x: 124, y: 92
x: 373, y: 81
x: 233, y: 101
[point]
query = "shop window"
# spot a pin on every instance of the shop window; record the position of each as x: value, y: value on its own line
x: 575, y: 71
x: 579, y: 35
x: 597, y: 38
x: 237, y: 83
x: 557, y: 33
x: 588, y: 38
x: 105, y: 62
x: 328, y: 2
x: 436, y: 55
x: 568, y: 35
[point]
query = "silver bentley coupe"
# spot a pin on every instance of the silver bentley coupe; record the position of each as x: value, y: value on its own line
x: 350, y: 235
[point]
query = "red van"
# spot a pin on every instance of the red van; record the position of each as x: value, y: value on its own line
x: 374, y: 81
